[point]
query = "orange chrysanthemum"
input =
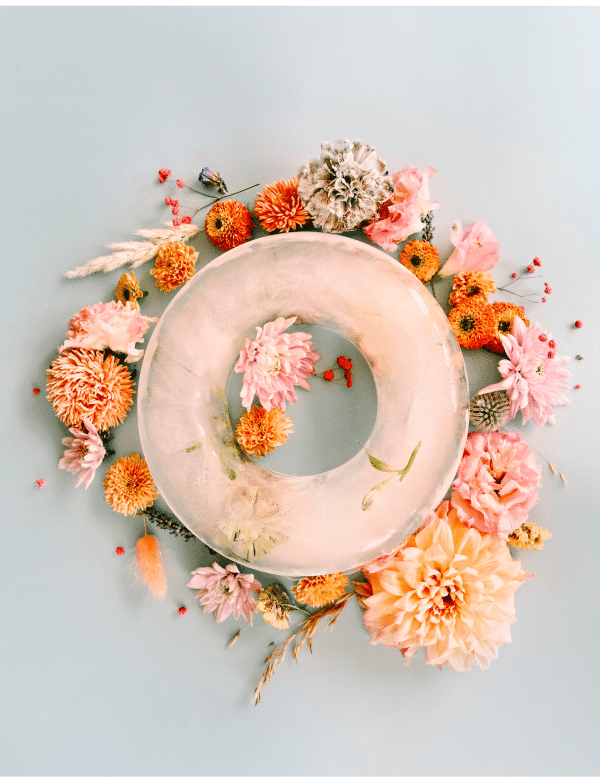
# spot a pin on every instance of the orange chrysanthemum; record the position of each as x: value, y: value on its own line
x: 128, y: 485
x: 279, y: 206
x: 83, y: 384
x: 228, y: 224
x: 128, y: 290
x: 473, y: 324
x: 421, y: 258
x: 175, y: 264
x: 504, y: 315
x: 472, y: 284
x: 260, y: 431
x: 320, y: 590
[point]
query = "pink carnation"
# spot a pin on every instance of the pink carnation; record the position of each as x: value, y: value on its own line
x: 400, y: 216
x: 273, y: 363
x: 225, y: 590
x: 108, y: 325
x: 84, y: 453
x: 531, y: 378
x: 475, y: 248
x: 496, y: 484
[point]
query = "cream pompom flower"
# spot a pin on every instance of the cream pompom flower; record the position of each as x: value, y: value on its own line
x: 450, y: 590
x: 274, y: 363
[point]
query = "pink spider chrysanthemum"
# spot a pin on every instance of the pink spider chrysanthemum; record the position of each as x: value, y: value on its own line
x: 532, y: 375
x: 84, y: 453
x: 226, y: 591
x: 274, y: 363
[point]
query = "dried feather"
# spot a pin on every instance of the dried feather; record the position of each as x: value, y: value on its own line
x: 149, y: 561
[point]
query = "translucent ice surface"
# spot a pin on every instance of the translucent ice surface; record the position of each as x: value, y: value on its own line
x: 287, y: 524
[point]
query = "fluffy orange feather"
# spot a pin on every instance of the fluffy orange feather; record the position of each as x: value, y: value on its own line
x: 149, y: 561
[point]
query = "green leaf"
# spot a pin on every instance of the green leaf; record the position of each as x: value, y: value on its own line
x: 411, y: 461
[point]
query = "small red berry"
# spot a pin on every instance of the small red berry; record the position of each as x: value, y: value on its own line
x: 187, y: 219
x: 537, y: 261
x: 578, y: 386
x: 348, y: 375
x: 544, y: 299
x: 328, y: 375
x: 341, y: 360
x: 41, y: 482
x: 176, y: 221
x: 551, y: 354
x: 548, y: 289
x: 514, y: 276
x: 175, y: 203
x: 119, y: 551
x: 168, y: 201
x: 175, y: 210
x: 182, y: 610
x: 349, y: 383
x: 543, y: 337
x: 180, y: 183
x: 163, y: 174
x: 36, y: 391
x: 578, y: 324
x: 530, y: 268
x: 551, y: 344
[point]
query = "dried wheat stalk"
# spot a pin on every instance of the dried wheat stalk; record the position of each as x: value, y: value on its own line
x: 306, y: 632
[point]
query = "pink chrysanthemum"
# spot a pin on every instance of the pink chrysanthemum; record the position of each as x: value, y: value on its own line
x: 111, y: 325
x: 400, y: 216
x: 84, y: 453
x: 532, y: 377
x: 225, y: 590
x: 273, y: 363
x: 450, y: 590
x: 475, y: 248
x: 496, y: 484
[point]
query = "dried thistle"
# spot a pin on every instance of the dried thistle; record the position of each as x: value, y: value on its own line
x: 212, y: 180
x: 529, y: 536
x: 135, y: 252
x: 304, y: 634
x: 488, y: 412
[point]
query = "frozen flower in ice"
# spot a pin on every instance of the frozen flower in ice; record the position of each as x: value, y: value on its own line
x: 260, y: 431
x: 475, y: 248
x: 225, y: 590
x: 128, y: 290
x: 84, y: 384
x: 488, y: 412
x: 529, y: 536
x: 279, y: 206
x: 345, y: 186
x: 274, y: 362
x: 175, y: 264
x: 319, y: 590
x: 129, y: 486
x: 472, y: 322
x: 274, y: 604
x: 533, y: 375
x: 421, y: 258
x: 473, y: 285
x: 400, y: 216
x: 111, y: 325
x: 450, y: 590
x: 84, y: 453
x: 496, y: 484
x: 504, y: 313
x: 228, y: 224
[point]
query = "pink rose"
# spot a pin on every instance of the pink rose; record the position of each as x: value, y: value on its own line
x: 475, y: 248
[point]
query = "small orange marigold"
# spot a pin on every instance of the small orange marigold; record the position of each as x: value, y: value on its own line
x: 129, y: 486
x: 504, y: 315
x: 228, y: 224
x: 472, y: 323
x: 421, y: 258
x: 260, y: 431
x: 175, y: 264
x: 279, y: 206
x: 319, y: 590
x: 472, y: 284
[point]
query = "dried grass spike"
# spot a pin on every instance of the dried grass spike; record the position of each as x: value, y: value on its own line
x: 149, y: 561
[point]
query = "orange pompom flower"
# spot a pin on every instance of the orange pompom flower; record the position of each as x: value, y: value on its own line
x: 260, y: 431
x: 84, y: 384
x: 319, y: 590
x: 504, y: 315
x: 472, y: 323
x: 472, y: 284
x: 228, y: 224
x: 421, y: 258
x: 175, y: 264
x: 279, y: 206
x: 129, y: 486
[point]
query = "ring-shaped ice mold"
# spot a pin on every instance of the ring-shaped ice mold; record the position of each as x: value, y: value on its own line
x: 302, y: 525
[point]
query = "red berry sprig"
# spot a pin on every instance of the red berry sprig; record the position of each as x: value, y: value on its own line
x: 344, y: 364
x: 529, y: 270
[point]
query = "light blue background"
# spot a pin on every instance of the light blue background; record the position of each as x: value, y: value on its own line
x: 97, y: 677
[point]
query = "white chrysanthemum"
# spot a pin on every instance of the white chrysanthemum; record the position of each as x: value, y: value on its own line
x: 449, y: 589
x: 345, y: 187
